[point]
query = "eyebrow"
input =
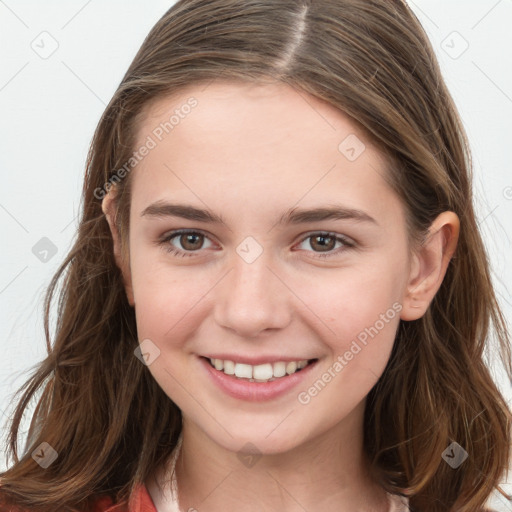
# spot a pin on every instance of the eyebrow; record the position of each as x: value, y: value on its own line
x: 292, y: 216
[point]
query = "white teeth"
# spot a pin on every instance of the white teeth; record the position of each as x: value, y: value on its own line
x: 229, y: 367
x: 243, y: 370
x: 291, y: 367
x: 279, y: 369
x: 261, y: 372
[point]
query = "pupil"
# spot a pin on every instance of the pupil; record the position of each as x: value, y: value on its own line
x: 323, y: 239
x: 190, y: 239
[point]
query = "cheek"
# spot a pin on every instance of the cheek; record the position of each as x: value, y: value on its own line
x: 349, y: 301
x: 360, y: 315
x: 165, y: 296
x: 362, y: 329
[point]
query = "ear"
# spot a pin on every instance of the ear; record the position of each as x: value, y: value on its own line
x: 109, y: 207
x: 429, y: 264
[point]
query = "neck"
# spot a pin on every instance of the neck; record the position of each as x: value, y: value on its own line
x: 328, y: 472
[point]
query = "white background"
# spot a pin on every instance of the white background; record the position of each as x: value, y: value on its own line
x: 50, y: 107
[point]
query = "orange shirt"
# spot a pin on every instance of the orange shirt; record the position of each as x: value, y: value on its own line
x: 142, y: 502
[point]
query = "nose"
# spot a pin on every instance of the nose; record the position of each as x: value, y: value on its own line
x: 252, y: 298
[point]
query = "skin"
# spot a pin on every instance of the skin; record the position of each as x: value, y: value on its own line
x: 249, y: 153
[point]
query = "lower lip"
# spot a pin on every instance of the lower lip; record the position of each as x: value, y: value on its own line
x: 255, y: 391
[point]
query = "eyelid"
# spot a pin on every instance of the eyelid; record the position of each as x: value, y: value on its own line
x: 168, y: 236
x: 332, y: 234
x: 347, y: 241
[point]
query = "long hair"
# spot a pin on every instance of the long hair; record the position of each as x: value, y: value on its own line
x: 102, y: 411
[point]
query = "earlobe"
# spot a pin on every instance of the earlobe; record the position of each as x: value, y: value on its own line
x: 108, y: 205
x: 429, y: 265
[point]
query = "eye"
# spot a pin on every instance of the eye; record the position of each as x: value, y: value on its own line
x: 326, y: 242
x: 190, y: 241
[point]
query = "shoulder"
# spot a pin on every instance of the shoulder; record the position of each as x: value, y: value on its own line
x: 98, y: 505
x: 141, y: 502
x: 401, y: 504
x: 106, y: 504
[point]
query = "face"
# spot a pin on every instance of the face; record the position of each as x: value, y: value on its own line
x: 255, y: 280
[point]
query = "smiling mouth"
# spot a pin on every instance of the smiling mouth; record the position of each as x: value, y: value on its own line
x: 267, y: 372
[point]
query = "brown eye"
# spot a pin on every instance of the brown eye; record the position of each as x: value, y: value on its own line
x: 183, y: 243
x: 191, y: 241
x: 323, y: 244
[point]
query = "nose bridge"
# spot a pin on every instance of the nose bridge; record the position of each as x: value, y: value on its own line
x: 252, y: 297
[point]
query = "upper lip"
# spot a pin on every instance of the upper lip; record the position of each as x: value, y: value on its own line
x: 256, y: 360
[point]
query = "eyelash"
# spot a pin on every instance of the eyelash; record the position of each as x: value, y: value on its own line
x: 164, y: 242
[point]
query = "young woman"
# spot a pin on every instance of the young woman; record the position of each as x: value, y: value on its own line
x: 278, y: 299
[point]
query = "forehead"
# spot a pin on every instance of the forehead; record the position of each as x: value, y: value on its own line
x: 229, y: 104
x: 232, y: 139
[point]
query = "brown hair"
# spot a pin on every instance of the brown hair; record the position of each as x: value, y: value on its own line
x: 101, y: 409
